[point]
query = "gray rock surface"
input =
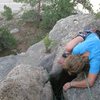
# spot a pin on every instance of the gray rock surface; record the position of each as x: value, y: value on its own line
x: 34, y: 54
x: 25, y: 82
x: 6, y: 65
x: 47, y: 61
x: 69, y: 25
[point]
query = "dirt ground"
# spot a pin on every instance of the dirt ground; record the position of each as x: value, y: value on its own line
x: 27, y: 35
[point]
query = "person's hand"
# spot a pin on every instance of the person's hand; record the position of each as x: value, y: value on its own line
x: 67, y: 86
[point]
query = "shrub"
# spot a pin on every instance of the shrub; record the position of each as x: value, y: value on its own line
x: 7, y: 41
x: 56, y: 10
x: 97, y: 15
x: 48, y: 44
x: 31, y: 16
x: 49, y: 18
x: 7, y: 13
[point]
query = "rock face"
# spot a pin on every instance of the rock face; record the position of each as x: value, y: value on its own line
x: 6, y: 65
x: 47, y: 62
x: 25, y: 82
x: 34, y: 54
x: 69, y: 25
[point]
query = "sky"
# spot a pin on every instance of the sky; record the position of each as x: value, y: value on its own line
x: 95, y: 3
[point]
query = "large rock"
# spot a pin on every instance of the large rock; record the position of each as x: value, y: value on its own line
x: 33, y: 57
x: 25, y: 82
x: 47, y: 61
x: 7, y: 64
x: 69, y: 25
x: 84, y: 94
x: 34, y: 54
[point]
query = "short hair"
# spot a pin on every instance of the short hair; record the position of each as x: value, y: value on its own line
x: 74, y: 64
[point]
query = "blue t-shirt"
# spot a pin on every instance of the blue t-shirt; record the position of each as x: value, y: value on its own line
x: 91, y: 45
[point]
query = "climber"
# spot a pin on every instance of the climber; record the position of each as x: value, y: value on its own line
x: 86, y: 42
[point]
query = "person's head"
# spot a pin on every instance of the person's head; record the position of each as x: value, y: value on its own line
x: 94, y: 26
x: 75, y: 63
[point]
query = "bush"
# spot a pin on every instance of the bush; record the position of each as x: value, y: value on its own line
x: 7, y: 41
x: 48, y: 44
x: 49, y: 18
x: 31, y: 16
x: 55, y: 11
x: 7, y: 13
x: 97, y: 15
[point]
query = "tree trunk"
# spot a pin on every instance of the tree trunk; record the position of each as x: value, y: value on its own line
x: 38, y: 15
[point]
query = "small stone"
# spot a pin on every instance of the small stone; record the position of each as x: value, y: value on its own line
x: 16, y: 30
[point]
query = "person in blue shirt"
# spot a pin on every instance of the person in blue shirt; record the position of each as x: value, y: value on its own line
x: 87, y: 43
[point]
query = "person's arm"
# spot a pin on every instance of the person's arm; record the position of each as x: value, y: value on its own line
x: 69, y: 46
x: 81, y: 84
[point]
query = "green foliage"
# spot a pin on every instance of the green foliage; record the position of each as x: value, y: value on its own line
x: 86, y: 4
x: 7, y: 41
x: 97, y: 15
x: 56, y: 10
x: 48, y: 44
x: 30, y: 16
x: 7, y: 13
x: 33, y: 15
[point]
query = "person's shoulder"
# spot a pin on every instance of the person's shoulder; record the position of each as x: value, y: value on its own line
x: 93, y: 35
